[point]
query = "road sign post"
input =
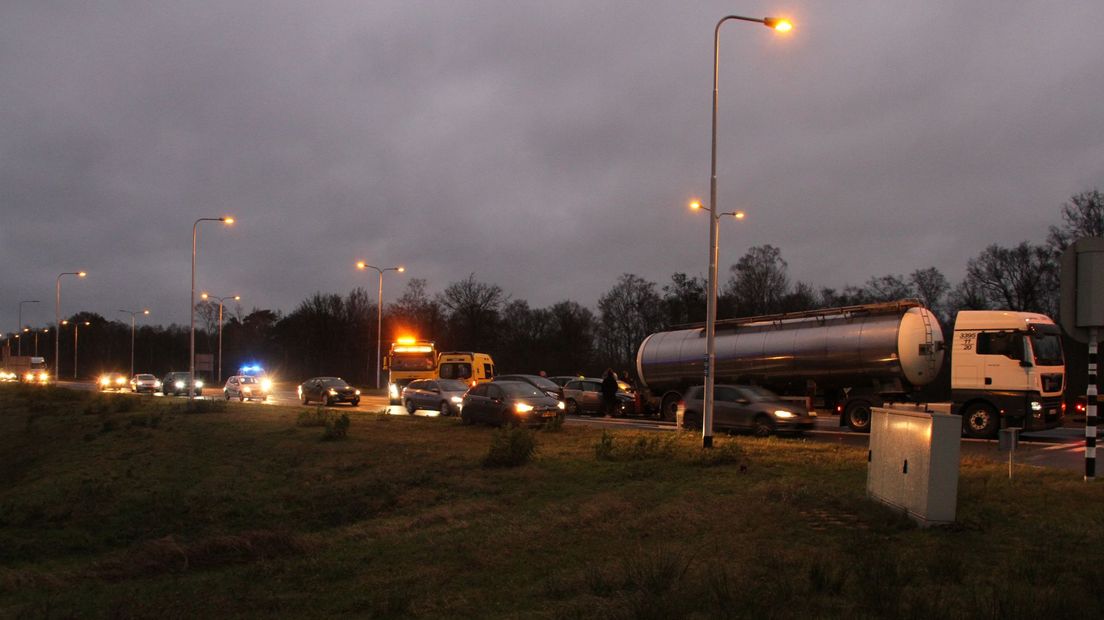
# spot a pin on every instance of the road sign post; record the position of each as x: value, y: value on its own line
x: 1081, y: 312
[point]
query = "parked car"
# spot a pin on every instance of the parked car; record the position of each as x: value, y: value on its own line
x: 745, y: 407
x: 244, y: 387
x: 176, y: 384
x: 584, y: 396
x: 113, y: 381
x: 328, y: 391
x: 509, y: 402
x: 562, y: 380
x: 543, y: 384
x: 444, y: 395
x: 145, y: 383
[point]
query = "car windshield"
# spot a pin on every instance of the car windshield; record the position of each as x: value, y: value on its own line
x: 540, y: 382
x: 1047, y: 347
x: 145, y: 377
x: 759, y: 394
x: 521, y: 390
x: 334, y: 383
x: 246, y: 380
x: 448, y: 385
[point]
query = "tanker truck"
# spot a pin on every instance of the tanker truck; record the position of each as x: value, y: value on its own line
x: 1007, y: 368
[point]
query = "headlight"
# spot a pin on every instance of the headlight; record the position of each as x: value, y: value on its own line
x: 157, y: 383
x: 299, y: 391
x: 266, y: 384
x: 179, y: 385
x: 357, y: 392
x: 523, y: 408
x: 120, y: 380
x: 104, y: 381
x: 333, y: 392
x: 560, y: 405
x: 393, y: 390
x: 199, y: 383
x: 782, y: 413
x: 457, y: 399
x: 1036, y: 405
x: 29, y: 376
x: 247, y: 390
x: 43, y: 376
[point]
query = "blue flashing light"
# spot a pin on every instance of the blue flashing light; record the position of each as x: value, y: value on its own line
x: 252, y: 368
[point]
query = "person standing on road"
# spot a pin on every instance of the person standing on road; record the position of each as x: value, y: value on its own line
x: 609, y: 393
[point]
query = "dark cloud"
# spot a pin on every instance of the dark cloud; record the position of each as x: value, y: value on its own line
x: 546, y: 146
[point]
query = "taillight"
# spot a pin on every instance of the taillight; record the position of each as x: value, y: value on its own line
x: 839, y: 409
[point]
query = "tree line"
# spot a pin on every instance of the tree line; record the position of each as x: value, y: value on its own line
x: 333, y: 334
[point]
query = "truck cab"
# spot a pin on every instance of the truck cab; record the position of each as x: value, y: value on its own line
x: 1007, y: 369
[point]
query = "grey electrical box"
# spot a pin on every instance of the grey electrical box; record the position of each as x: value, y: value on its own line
x: 1081, y: 303
x: 913, y: 462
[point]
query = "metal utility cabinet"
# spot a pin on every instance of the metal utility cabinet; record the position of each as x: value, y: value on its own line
x: 913, y: 462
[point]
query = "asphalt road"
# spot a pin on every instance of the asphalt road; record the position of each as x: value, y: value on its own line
x: 1062, y: 448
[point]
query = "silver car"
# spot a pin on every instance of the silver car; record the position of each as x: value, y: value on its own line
x: 244, y: 387
x: 145, y: 383
x: 746, y: 407
x: 444, y: 395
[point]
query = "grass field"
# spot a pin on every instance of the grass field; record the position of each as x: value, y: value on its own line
x: 137, y: 507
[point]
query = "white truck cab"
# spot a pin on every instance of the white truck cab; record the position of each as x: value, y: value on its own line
x: 1007, y: 369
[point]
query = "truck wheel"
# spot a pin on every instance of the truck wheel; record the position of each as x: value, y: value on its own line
x: 669, y: 407
x: 980, y: 421
x: 857, y: 416
x: 762, y: 427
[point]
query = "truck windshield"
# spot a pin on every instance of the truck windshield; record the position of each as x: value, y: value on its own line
x: 1048, y: 348
x: 412, y: 362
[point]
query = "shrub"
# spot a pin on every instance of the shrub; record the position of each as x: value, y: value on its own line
x: 200, y: 405
x: 554, y: 425
x: 603, y: 450
x: 511, y: 446
x: 638, y: 448
x: 313, y: 417
x: 337, y: 426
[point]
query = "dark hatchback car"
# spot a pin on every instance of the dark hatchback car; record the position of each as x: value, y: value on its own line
x: 543, y: 384
x: 444, y: 395
x: 503, y: 403
x: 746, y: 407
x: 328, y: 391
x: 176, y: 384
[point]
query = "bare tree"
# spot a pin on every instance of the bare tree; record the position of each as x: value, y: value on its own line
x: 630, y: 311
x: 931, y: 287
x: 888, y: 288
x: 1082, y: 216
x: 473, y: 310
x: 1023, y: 278
x: 759, y: 282
x: 684, y: 299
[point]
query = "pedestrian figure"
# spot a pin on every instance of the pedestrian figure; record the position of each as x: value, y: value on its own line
x: 609, y: 393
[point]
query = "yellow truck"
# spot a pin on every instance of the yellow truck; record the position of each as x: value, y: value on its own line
x: 409, y: 359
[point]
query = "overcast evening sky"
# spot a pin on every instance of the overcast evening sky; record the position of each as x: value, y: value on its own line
x: 548, y: 147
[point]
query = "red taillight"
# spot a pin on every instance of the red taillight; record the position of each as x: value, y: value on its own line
x: 839, y: 409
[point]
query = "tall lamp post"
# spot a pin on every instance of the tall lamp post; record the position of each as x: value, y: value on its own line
x: 133, y: 321
x: 76, y: 329
x: 191, y: 307
x: 221, y: 300
x: 57, y: 315
x: 36, y: 331
x: 379, y: 309
x: 780, y: 25
x: 19, y: 328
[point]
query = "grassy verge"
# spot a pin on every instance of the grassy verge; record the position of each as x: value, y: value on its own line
x: 148, y: 509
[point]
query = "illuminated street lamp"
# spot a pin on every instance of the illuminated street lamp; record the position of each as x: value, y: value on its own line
x: 205, y: 297
x: 76, y: 328
x: 780, y: 25
x: 133, y: 316
x: 18, y: 340
x: 57, y: 314
x: 36, y: 331
x: 191, y: 308
x: 379, y: 309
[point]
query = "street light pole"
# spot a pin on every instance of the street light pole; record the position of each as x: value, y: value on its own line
x: 76, y: 330
x: 205, y: 297
x: 191, y: 306
x: 133, y: 320
x: 19, y: 328
x: 57, y: 315
x: 379, y: 310
x: 711, y: 302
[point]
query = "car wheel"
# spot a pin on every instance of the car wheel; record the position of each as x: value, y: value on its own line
x: 980, y: 421
x: 410, y: 408
x: 762, y: 426
x: 857, y: 416
x: 445, y: 409
x: 306, y: 399
x: 241, y: 397
x: 355, y: 402
x: 327, y: 401
x: 226, y: 394
x: 571, y: 406
x: 465, y: 419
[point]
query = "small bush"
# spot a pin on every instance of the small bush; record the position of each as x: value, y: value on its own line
x: 603, y: 450
x: 337, y: 426
x: 554, y: 425
x: 511, y: 446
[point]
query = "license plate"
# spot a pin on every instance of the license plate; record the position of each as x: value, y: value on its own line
x: 548, y: 414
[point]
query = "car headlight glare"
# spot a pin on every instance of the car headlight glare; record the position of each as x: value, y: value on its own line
x: 179, y: 385
x: 247, y: 390
x: 266, y: 384
x: 782, y: 413
x: 104, y: 381
x: 1036, y: 405
x: 522, y: 408
x: 199, y: 383
x: 560, y: 405
x: 119, y: 380
x: 357, y: 392
x: 457, y: 399
x: 333, y: 392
